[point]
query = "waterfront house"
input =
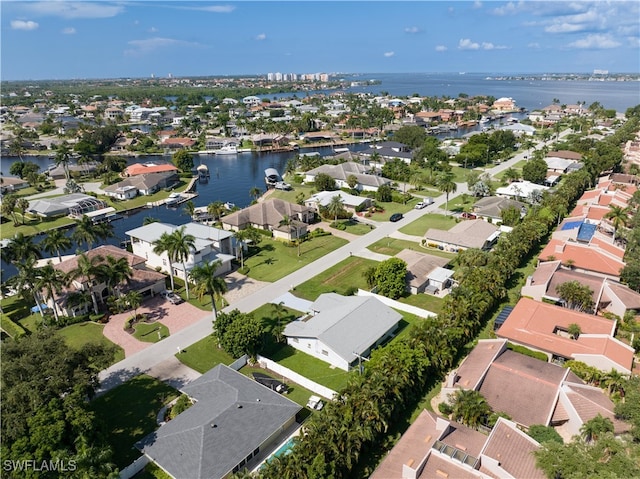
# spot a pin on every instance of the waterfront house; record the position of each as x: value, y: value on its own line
x: 342, y: 171
x: 145, y: 184
x: 211, y: 244
x: 232, y: 421
x: 271, y: 215
x: 341, y: 330
x: 149, y: 167
x: 9, y: 184
x: 63, y: 205
x: 350, y: 203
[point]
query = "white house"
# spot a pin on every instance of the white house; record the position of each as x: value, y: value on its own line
x: 211, y: 244
x: 520, y: 189
x: 350, y: 202
x: 341, y: 330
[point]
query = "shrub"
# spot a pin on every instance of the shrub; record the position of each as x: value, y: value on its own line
x: 527, y: 352
x: 181, y: 405
x: 445, y: 408
x: 350, y: 291
x: 11, y: 328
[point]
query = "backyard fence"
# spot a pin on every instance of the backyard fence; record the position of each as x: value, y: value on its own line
x: 297, y: 378
x: 134, y: 468
x: 239, y: 363
x: 423, y: 313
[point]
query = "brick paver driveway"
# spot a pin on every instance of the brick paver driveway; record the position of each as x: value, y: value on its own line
x: 174, y: 317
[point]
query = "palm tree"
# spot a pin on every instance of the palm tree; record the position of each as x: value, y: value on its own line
x: 593, y: 428
x: 190, y: 209
x: 619, y: 217
x: 86, y: 231
x: 241, y: 237
x: 206, y: 281
x: 63, y: 157
x: 23, y: 205
x: 470, y: 407
x: 181, y: 246
x: 614, y: 380
x: 279, y: 311
x: 149, y: 219
x: 335, y: 207
x: 55, y: 242
x: 255, y: 192
x: 134, y: 300
x: 20, y: 248
x: 25, y: 281
x: 9, y: 203
x: 115, y: 271
x: 51, y: 281
x: 215, y: 209
x: 78, y: 298
x: 163, y: 245
x: 445, y: 183
x: 86, y: 272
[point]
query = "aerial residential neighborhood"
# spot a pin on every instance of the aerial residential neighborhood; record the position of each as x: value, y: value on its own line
x: 384, y: 303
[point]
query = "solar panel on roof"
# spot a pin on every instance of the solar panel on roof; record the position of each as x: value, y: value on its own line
x: 502, y: 317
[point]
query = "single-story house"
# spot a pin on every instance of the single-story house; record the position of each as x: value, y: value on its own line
x: 62, y: 205
x: 230, y: 424
x: 149, y: 167
x: 438, y: 280
x: 419, y: 267
x: 349, y: 202
x: 58, y: 172
x: 270, y: 215
x: 493, y: 206
x: 436, y: 447
x: 10, y: 183
x: 591, y: 257
x: 211, y: 244
x: 520, y: 189
x: 342, y: 171
x: 544, y: 327
x: 529, y: 390
x: 147, y: 282
x: 146, y: 184
x: 341, y: 330
x: 464, y: 235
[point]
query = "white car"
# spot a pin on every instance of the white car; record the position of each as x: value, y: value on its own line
x: 172, y: 297
x: 424, y: 203
x: 315, y: 403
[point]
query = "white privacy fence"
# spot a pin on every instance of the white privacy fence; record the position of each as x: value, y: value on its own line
x: 296, y: 378
x: 423, y: 313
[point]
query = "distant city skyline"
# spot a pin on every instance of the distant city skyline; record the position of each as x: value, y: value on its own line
x: 58, y: 39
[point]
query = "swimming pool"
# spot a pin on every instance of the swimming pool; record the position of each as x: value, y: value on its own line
x: 283, y: 450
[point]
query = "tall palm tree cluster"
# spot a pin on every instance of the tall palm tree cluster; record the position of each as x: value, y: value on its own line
x: 399, y: 374
x: 46, y: 283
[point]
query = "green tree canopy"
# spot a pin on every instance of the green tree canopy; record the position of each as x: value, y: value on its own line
x: 324, y: 182
x: 535, y: 170
x: 183, y: 160
x: 391, y: 278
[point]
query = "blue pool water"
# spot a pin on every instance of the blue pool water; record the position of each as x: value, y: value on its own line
x: 585, y: 232
x: 284, y: 449
x: 569, y: 225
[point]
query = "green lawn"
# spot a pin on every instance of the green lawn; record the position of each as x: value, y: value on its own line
x: 339, y: 278
x: 150, y: 332
x: 391, y: 208
x: 204, y: 355
x: 33, y: 226
x: 129, y: 413
x: 311, y: 368
x: 424, y: 301
x: 275, y: 259
x: 405, y: 325
x: 77, y: 335
x: 431, y: 220
x: 290, y: 196
x: 459, y: 203
x: 392, y: 246
x: 355, y: 227
x: 140, y: 201
x: 268, y: 316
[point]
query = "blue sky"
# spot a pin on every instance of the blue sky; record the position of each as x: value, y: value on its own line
x: 58, y: 39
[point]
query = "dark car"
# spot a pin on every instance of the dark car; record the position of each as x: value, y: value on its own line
x: 396, y: 217
x: 270, y: 382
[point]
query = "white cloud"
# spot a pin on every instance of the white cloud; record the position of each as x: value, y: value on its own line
x: 24, y: 25
x: 564, y: 28
x: 69, y: 31
x: 534, y: 45
x: 508, y: 9
x: 491, y: 46
x: 412, y: 30
x: 441, y: 48
x: 634, y: 42
x: 466, y: 44
x: 153, y: 30
x: 261, y: 37
x: 149, y: 45
x: 477, y: 4
x: 218, y: 8
x: 595, y: 41
x: 75, y: 9
x: 389, y: 54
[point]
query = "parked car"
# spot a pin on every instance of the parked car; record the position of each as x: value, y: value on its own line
x: 315, y: 403
x: 172, y: 297
x: 424, y: 203
x: 468, y: 216
x: 271, y: 383
x: 395, y: 217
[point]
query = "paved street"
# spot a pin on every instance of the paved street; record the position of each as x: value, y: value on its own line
x: 145, y: 360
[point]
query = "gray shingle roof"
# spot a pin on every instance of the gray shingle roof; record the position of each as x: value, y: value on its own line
x: 233, y: 415
x: 346, y: 324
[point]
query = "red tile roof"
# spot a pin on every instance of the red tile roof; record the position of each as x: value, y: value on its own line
x: 536, y: 324
x: 144, y: 168
x: 589, y: 257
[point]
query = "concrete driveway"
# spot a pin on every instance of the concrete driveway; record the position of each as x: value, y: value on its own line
x: 174, y: 317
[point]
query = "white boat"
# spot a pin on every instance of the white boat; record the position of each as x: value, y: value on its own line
x: 227, y: 150
x: 203, y: 172
x: 173, y: 199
